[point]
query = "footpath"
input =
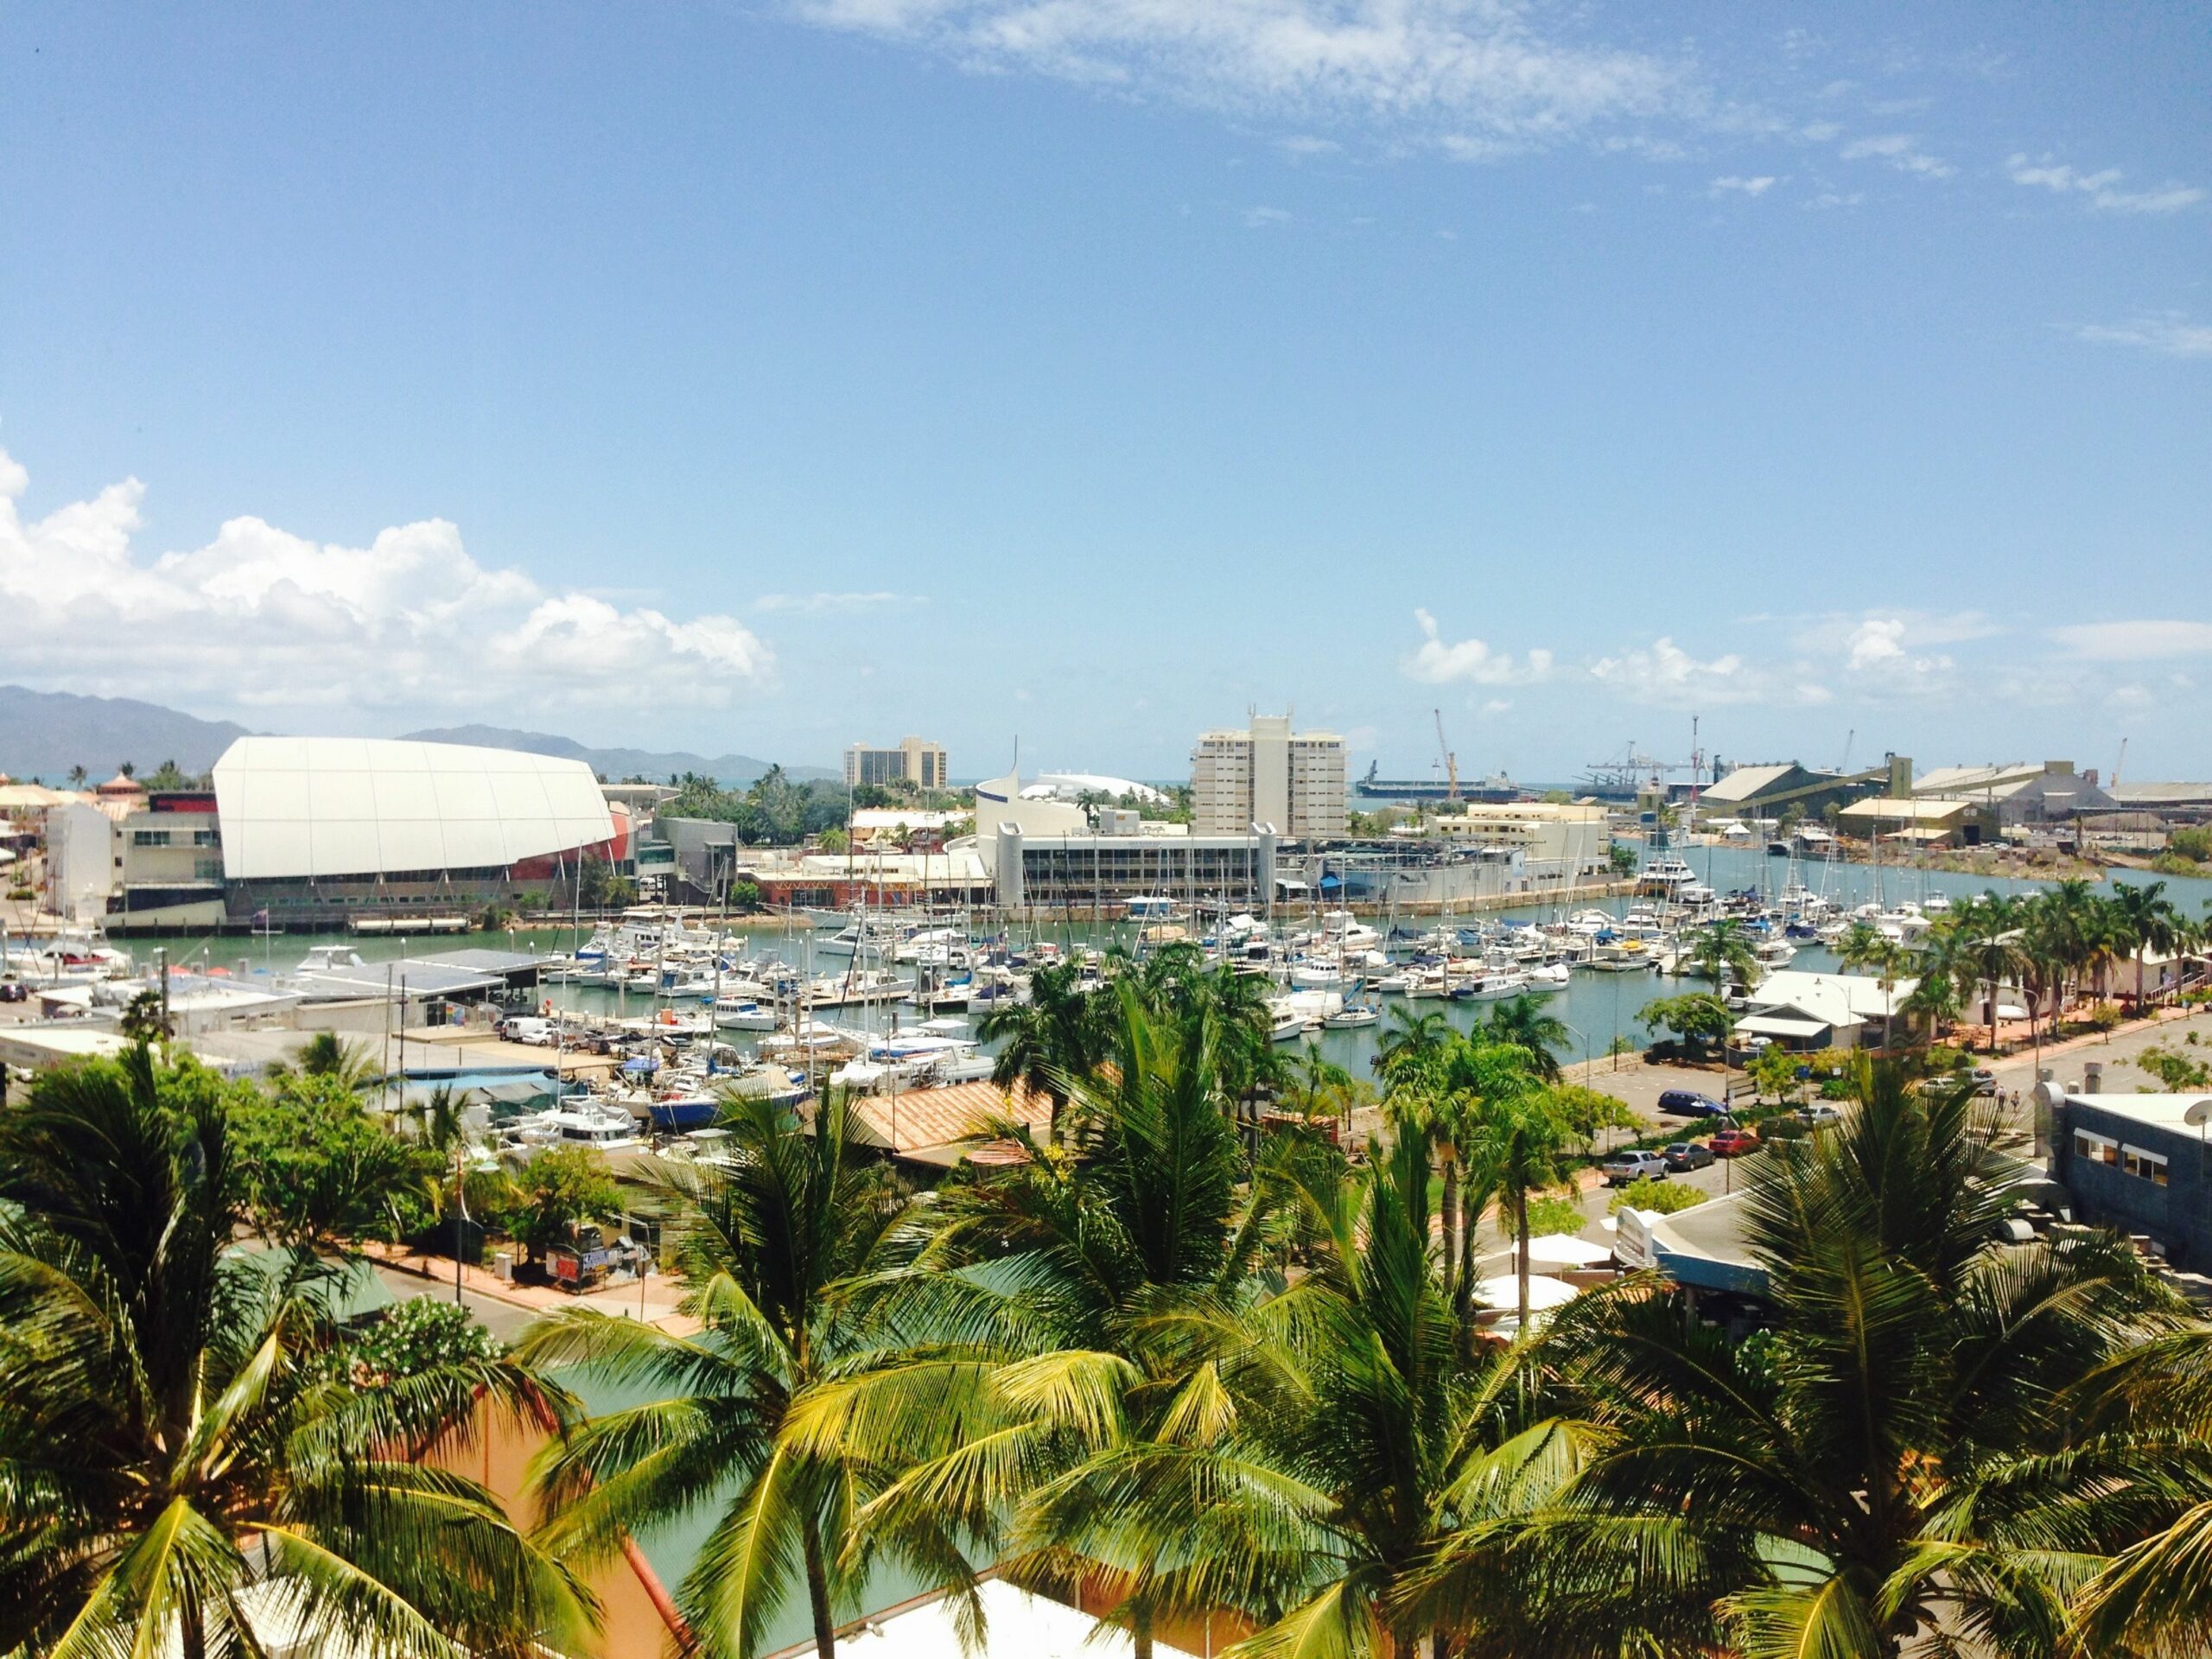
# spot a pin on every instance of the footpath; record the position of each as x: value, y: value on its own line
x: 654, y: 1301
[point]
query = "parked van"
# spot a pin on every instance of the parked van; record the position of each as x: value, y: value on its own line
x: 528, y: 1029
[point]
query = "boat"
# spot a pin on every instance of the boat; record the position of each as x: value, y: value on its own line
x: 743, y: 1014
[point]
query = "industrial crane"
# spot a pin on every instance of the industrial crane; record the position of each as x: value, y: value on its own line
x: 1450, y: 760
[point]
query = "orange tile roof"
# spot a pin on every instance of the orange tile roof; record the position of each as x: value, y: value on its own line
x: 914, y: 1118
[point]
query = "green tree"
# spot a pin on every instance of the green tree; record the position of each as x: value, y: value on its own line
x: 1519, y: 1142
x: 1522, y: 1022
x: 317, y: 1171
x: 1991, y: 952
x: 1052, y: 1041
x: 1773, y: 1072
x: 1078, y: 1308
x: 1309, y: 1476
x: 559, y: 1190
x: 1699, y: 1018
x: 1906, y: 1452
x: 327, y: 1054
x: 2146, y: 920
x: 833, y: 840
x: 142, y: 1021
x: 765, y: 1243
x: 167, y: 1404
x: 1721, y: 951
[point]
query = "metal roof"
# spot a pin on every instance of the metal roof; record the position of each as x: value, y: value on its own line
x: 305, y: 807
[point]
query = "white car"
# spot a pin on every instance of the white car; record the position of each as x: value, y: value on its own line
x: 1623, y: 1167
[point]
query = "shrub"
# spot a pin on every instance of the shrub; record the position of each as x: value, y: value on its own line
x: 2105, y: 1016
x: 420, y: 1334
x: 1554, y: 1215
x: 1665, y: 1196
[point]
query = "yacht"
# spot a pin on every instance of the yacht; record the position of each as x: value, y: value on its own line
x: 743, y: 1014
x: 1664, y: 878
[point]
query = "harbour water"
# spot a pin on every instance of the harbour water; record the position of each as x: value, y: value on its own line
x: 1596, y: 1007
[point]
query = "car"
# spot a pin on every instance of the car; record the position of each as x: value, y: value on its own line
x: 1687, y: 1154
x: 1734, y: 1143
x: 1686, y: 1103
x: 1635, y: 1165
x: 1819, y: 1115
x: 1985, y: 1081
x: 14, y: 991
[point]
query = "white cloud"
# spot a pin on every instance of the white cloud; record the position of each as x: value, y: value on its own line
x: 1902, y: 151
x: 260, y: 617
x: 2101, y: 189
x: 812, y: 604
x: 1835, y: 199
x: 1754, y: 187
x: 1306, y: 144
x: 2169, y: 333
x: 1259, y: 219
x: 2141, y: 640
x: 1439, y: 663
x: 1483, y: 69
x: 1667, y: 673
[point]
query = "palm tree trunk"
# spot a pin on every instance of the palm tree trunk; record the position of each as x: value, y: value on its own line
x: 1520, y: 1251
x: 817, y: 1591
x: 1141, y: 1627
x: 1451, y: 1218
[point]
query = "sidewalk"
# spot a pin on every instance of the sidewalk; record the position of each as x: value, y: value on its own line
x: 657, y: 1304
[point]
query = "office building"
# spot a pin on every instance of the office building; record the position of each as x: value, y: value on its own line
x: 913, y: 761
x: 1291, y: 783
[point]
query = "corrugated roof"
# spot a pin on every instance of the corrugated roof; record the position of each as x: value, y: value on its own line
x: 914, y: 1118
x: 1744, y: 782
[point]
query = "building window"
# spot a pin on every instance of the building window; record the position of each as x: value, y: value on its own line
x: 206, y: 838
x: 2148, y: 1165
x: 149, y: 837
x: 2094, y: 1148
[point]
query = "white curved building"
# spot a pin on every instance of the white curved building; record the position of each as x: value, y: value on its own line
x: 315, y: 809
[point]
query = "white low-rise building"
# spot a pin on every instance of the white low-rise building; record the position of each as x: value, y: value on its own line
x: 1813, y: 1011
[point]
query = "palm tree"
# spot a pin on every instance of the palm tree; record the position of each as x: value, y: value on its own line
x: 1990, y: 930
x: 1518, y: 1142
x: 1345, y: 1433
x: 1049, y: 1042
x: 1722, y: 952
x: 168, y: 1402
x: 1410, y: 1040
x: 1062, y: 1311
x: 78, y: 776
x: 327, y: 1054
x: 766, y: 1244
x: 1522, y: 1022
x: 2150, y: 921
x: 1321, y: 1084
x: 1902, y: 1454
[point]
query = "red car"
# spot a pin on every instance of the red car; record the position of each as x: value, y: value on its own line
x: 1733, y: 1143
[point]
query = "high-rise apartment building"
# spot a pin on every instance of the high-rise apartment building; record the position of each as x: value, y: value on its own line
x: 1268, y: 774
x: 913, y: 761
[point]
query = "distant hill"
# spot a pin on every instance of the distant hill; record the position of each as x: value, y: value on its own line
x: 618, y: 764
x: 43, y: 733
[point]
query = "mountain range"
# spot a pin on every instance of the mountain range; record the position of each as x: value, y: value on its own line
x: 44, y: 733
x: 654, y: 765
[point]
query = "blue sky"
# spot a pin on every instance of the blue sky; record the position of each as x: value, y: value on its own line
x: 764, y: 376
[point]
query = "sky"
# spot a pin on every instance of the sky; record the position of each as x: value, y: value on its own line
x: 1067, y: 377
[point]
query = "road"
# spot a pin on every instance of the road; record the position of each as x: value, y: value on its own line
x: 503, y: 1319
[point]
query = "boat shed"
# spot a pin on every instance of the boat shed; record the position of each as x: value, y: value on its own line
x: 1814, y: 1011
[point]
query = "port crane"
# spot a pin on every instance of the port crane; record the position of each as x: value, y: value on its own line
x: 1627, y: 773
x: 1450, y: 760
